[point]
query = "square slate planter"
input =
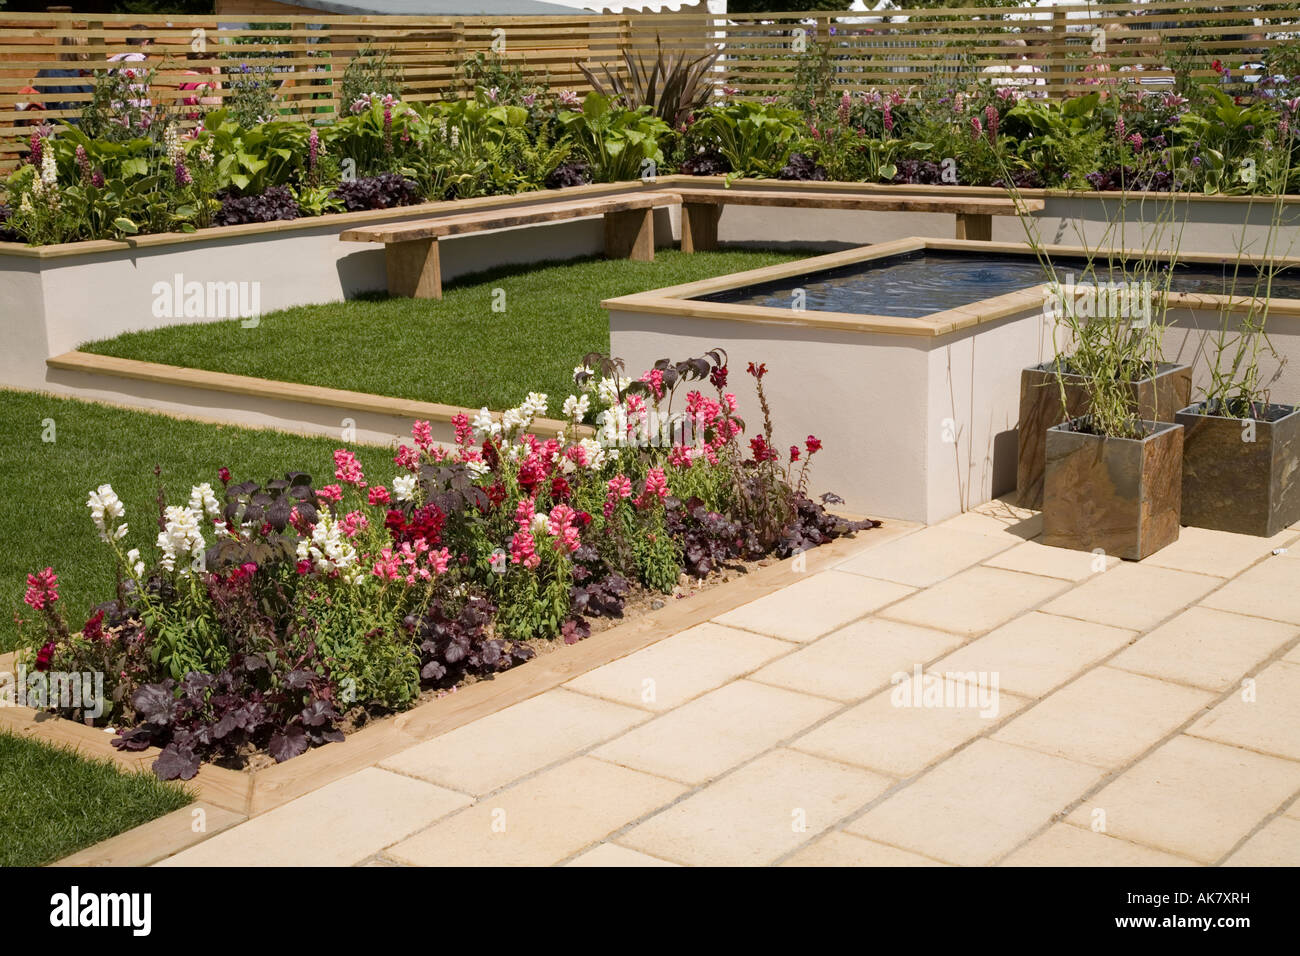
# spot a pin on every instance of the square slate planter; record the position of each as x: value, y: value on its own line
x: 1241, y: 476
x: 1119, y: 495
x: 1159, y: 397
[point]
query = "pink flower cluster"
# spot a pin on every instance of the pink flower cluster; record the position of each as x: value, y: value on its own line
x: 347, y: 469
x: 619, y: 487
x: 655, y: 490
x: 42, y: 589
x: 561, y: 525
x: 411, y: 562
x: 523, y: 550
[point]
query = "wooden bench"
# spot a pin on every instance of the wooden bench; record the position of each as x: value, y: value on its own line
x: 702, y: 207
x: 411, y: 248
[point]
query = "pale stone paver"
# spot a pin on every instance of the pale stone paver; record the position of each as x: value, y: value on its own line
x: 856, y: 660
x: 1216, y: 552
x: 1293, y: 811
x: 1277, y: 844
x: 1269, y: 721
x: 1294, y: 656
x: 1192, y: 797
x: 668, y: 674
x: 1136, y: 596
x: 710, y: 735
x: 1106, y: 718
x: 925, y: 557
x: 1270, y: 589
x: 541, y: 821
x: 757, y: 814
x: 979, y: 804
x: 1032, y: 557
x: 1066, y: 845
x: 611, y: 854
x: 975, y: 601
x: 845, y: 849
x: 492, y: 751
x: 999, y: 519
x: 1205, y: 648
x: 1036, y: 652
x: 814, y: 606
x: 324, y: 828
x: 902, y: 740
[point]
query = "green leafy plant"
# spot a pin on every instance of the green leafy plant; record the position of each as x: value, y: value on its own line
x: 755, y: 139
x: 618, y: 143
x: 671, y: 86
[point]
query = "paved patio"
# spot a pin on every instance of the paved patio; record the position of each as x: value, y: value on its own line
x: 1144, y: 714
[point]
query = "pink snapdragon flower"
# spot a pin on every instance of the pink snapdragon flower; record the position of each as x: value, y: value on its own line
x: 656, y: 487
x: 422, y: 432
x: 347, y: 469
x: 42, y: 590
x: 407, y: 457
x: 330, y: 493
x: 619, y: 487
x: 560, y: 526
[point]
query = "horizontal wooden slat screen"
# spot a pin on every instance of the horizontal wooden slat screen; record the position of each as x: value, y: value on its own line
x: 310, y: 53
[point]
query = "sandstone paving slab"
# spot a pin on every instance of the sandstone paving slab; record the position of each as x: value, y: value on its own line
x: 327, y: 826
x: 700, y: 740
x: 1264, y: 717
x: 681, y: 667
x: 1276, y: 844
x: 844, y: 849
x: 812, y: 606
x: 1205, y: 648
x: 1134, y: 596
x: 977, y: 805
x: 1066, y: 845
x: 1036, y: 652
x: 999, y: 519
x: 1034, y: 557
x: 757, y: 814
x: 542, y: 820
x: 1106, y: 718
x: 901, y: 734
x: 975, y: 601
x: 1192, y: 797
x: 494, y: 750
x: 1270, y: 589
x: 611, y: 854
x: 1219, y: 553
x: 857, y: 659
x: 925, y: 557
x: 1293, y: 656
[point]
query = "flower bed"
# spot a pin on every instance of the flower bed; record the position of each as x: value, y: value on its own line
x: 268, y: 617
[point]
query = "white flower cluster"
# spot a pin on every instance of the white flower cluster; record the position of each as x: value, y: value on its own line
x: 181, y: 538
x: 45, y: 186
x: 133, y: 559
x: 105, y: 508
x: 575, y: 407
x: 329, y: 550
x: 404, y: 487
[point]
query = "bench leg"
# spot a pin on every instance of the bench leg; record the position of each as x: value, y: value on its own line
x: 700, y: 226
x: 630, y: 235
x: 414, y: 269
x: 975, y: 226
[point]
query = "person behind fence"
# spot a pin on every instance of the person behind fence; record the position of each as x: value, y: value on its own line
x: 70, y: 54
x: 203, y: 92
x: 140, y: 40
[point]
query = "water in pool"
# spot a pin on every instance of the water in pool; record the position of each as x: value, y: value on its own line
x: 918, y: 283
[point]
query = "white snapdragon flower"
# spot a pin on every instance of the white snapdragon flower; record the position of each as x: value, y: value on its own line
x: 513, y: 420
x: 49, y: 171
x: 105, y: 508
x: 404, y: 487
x: 329, y: 550
x: 203, y: 500
x: 534, y: 404
x: 575, y: 408
x: 134, y: 562
x: 608, y: 388
x: 181, y: 538
x: 594, y: 452
x: 484, y: 426
x: 590, y: 373
x: 540, y: 523
x: 478, y: 468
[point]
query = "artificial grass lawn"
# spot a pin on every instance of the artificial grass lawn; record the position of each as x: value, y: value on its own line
x: 44, y: 485
x: 54, y: 802
x: 457, y: 350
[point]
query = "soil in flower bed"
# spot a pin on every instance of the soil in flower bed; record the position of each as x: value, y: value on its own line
x: 458, y: 350
x: 270, y: 615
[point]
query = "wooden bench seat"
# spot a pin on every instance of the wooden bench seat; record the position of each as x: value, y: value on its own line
x: 411, y: 248
x: 702, y: 207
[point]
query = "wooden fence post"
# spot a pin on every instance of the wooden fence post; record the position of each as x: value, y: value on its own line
x: 1056, y: 60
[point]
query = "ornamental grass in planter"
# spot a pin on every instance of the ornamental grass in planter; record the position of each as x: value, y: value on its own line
x: 257, y: 619
x: 1241, y: 455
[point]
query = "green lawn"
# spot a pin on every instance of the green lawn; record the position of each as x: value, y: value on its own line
x: 457, y: 350
x: 53, y: 802
x: 44, y: 485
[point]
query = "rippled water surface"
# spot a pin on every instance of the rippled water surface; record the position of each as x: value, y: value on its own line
x: 919, y: 283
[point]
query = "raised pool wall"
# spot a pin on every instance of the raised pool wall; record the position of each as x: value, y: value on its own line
x: 918, y: 416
